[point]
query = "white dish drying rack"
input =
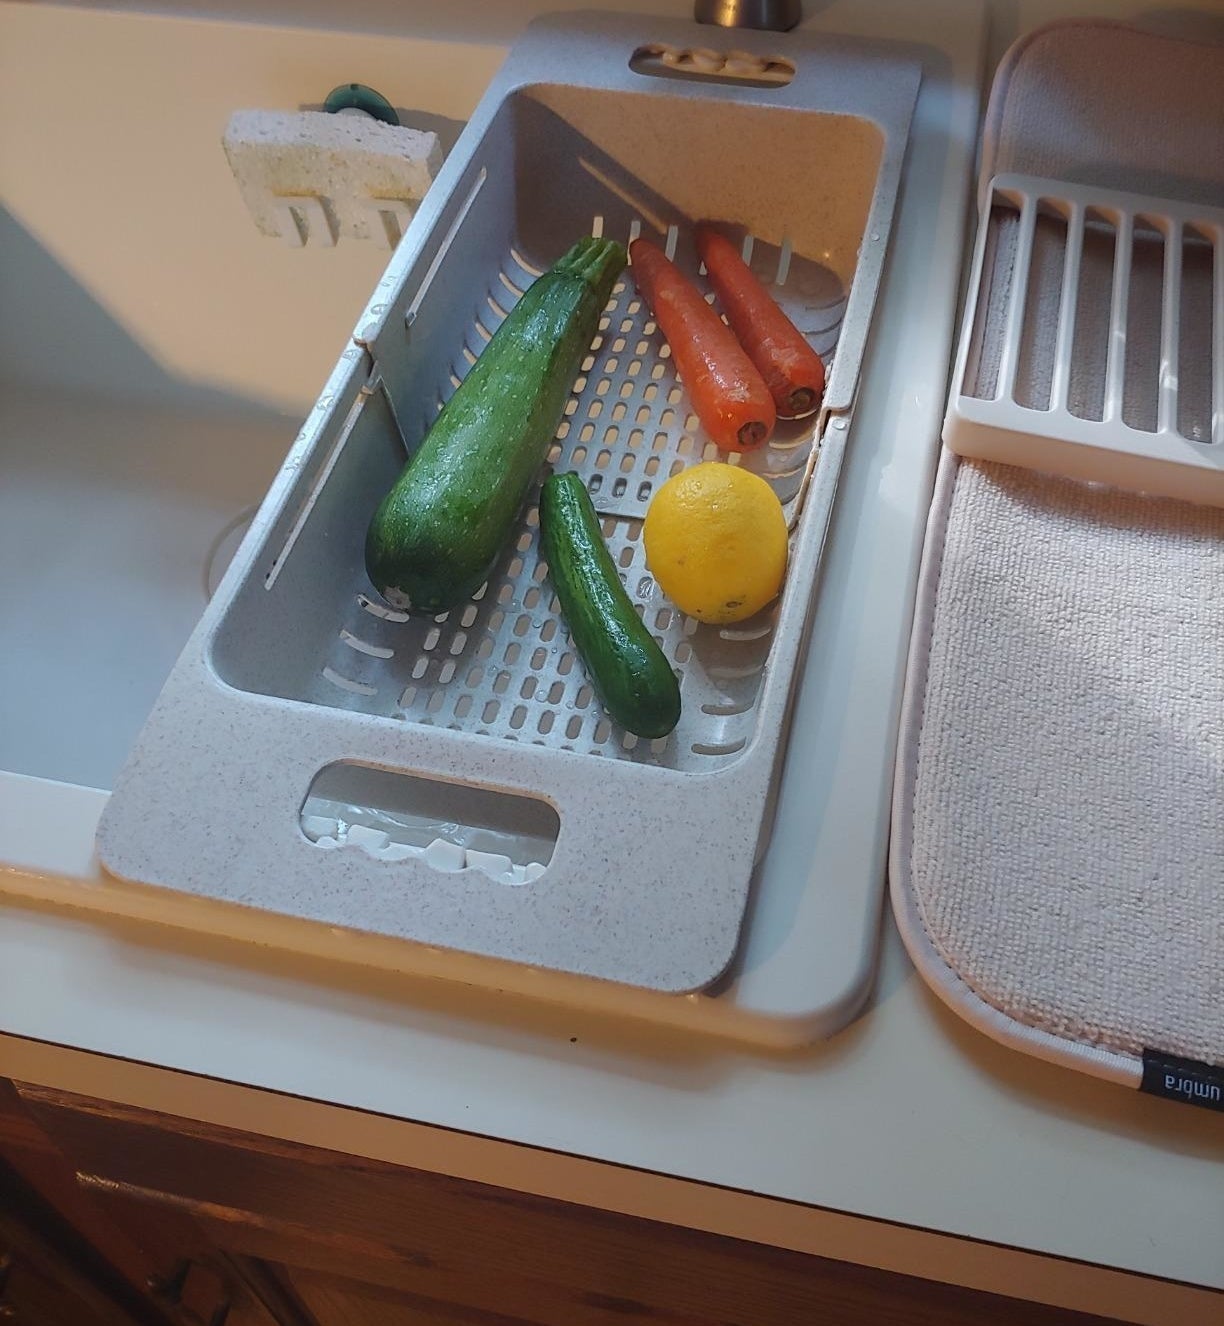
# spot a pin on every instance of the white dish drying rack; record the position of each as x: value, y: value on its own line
x: 1093, y: 344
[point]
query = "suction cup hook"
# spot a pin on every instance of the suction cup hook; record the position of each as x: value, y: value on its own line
x: 358, y: 97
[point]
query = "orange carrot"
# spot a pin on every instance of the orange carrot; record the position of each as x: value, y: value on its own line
x: 728, y: 394
x: 792, y: 370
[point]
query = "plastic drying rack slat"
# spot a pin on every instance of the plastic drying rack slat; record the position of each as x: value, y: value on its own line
x: 1148, y: 430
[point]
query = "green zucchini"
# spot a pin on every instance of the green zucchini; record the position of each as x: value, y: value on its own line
x: 438, y: 533
x: 627, y: 668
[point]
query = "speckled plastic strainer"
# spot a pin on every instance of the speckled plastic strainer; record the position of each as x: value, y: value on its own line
x: 454, y: 781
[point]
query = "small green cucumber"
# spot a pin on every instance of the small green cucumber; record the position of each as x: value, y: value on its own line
x: 438, y: 533
x: 627, y: 668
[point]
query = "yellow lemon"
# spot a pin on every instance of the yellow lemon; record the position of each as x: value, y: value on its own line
x: 716, y: 542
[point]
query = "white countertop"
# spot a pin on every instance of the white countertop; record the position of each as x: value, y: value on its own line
x: 906, y: 1127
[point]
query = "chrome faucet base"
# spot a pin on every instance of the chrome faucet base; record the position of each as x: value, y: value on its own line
x: 767, y: 15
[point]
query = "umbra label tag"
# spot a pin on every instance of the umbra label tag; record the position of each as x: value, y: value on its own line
x: 1183, y: 1079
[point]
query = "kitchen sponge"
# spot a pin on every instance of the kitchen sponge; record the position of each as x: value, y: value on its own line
x: 310, y: 176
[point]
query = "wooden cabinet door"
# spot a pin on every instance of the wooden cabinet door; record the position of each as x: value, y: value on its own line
x: 69, y: 1251
x: 37, y: 1288
x: 337, y: 1301
x: 366, y: 1242
x: 38, y: 1186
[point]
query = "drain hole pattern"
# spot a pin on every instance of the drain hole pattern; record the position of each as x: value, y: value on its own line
x: 503, y: 665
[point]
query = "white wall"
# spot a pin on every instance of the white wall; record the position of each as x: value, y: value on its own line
x: 500, y: 21
x: 110, y: 162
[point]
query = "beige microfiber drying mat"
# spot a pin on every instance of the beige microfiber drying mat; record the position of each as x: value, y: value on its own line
x: 1100, y: 103
x: 1058, y: 834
